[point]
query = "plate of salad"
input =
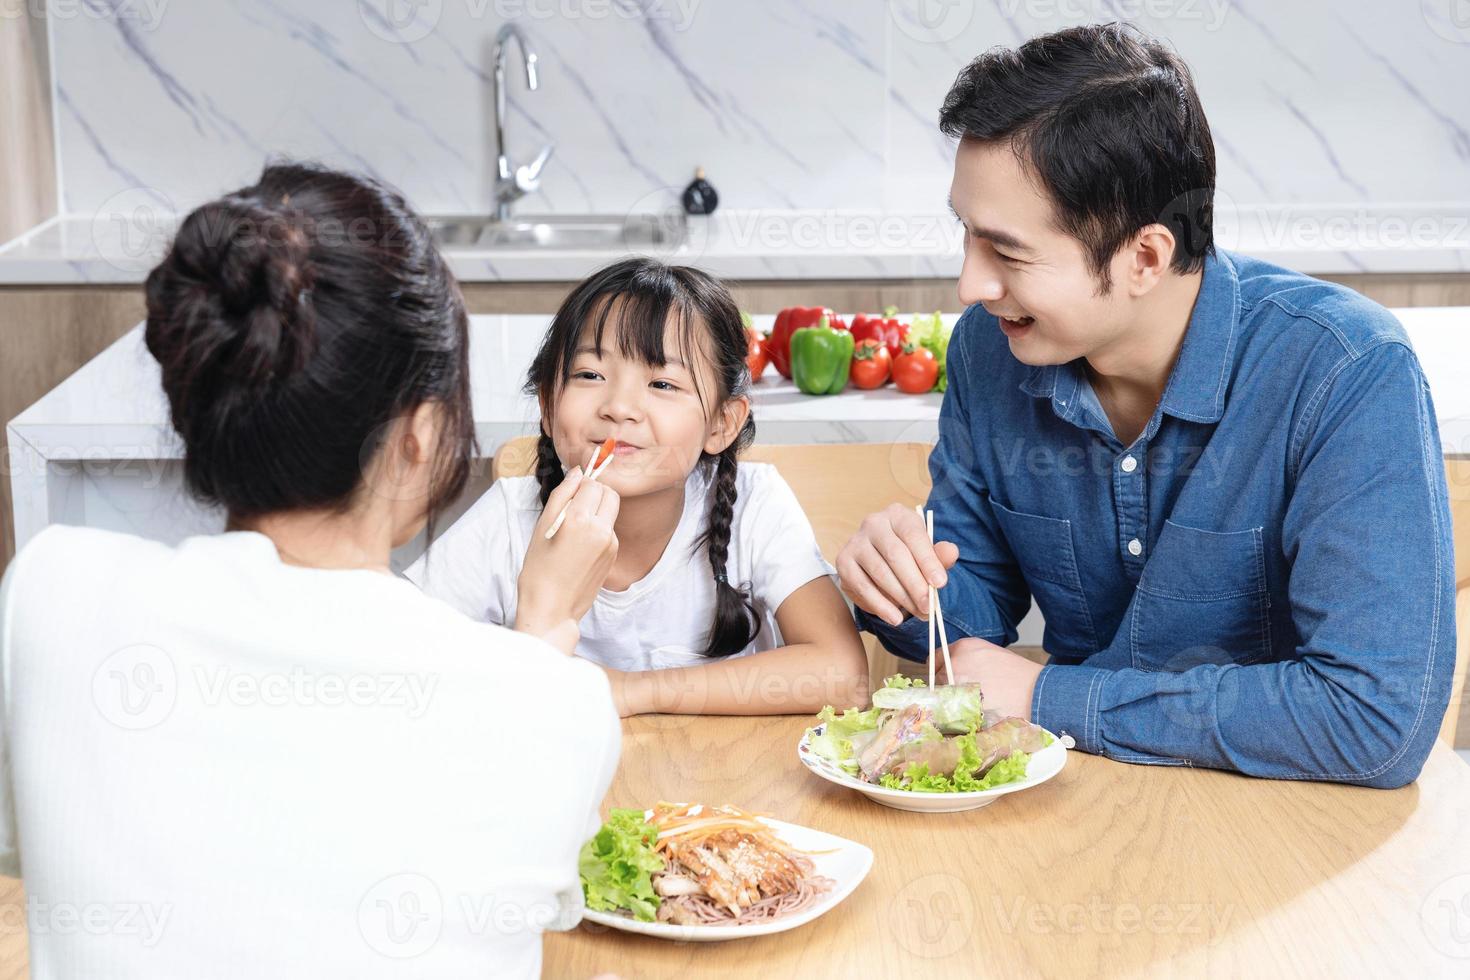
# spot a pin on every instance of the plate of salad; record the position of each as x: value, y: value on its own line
x: 931, y: 750
x: 698, y: 873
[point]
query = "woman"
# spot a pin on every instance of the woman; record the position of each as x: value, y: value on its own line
x: 259, y: 753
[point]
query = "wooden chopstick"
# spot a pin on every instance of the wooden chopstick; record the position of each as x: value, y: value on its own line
x: 938, y: 614
x: 592, y: 474
x: 931, y: 637
x: 936, y: 617
x: 605, y: 464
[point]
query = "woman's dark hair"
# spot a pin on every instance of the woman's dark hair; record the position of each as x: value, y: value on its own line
x: 294, y: 321
x: 640, y: 295
x: 1109, y: 120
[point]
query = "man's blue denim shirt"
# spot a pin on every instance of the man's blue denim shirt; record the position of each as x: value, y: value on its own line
x: 1263, y: 581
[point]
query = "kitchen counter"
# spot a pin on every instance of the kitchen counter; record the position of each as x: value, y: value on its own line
x: 801, y: 245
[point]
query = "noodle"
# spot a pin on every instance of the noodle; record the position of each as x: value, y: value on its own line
x: 705, y: 911
x: 709, y: 913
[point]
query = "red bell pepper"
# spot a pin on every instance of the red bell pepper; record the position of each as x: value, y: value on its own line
x: 885, y: 328
x: 790, y: 320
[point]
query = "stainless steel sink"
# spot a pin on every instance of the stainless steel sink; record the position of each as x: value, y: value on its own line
x: 561, y: 232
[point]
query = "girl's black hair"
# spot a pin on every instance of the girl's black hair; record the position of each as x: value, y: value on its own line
x: 294, y: 321
x: 642, y: 294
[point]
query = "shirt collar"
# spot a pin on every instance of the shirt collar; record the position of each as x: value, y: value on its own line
x: 1201, y: 375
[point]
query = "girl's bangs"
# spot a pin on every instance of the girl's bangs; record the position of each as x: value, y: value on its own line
x: 639, y: 322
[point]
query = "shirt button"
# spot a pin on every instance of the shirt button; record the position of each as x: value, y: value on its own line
x: 1129, y: 464
x: 1134, y: 548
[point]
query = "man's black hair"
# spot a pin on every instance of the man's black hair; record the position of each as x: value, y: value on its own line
x: 1108, y: 119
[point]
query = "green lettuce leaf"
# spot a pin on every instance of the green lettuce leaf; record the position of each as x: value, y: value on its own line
x: 617, y: 866
x: 835, y: 741
x: 930, y: 332
x: 901, y: 682
x: 917, y: 778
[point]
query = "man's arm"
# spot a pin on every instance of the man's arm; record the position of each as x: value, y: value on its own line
x: 1367, y: 533
x: 984, y: 594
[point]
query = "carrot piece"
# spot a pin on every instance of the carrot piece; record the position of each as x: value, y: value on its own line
x: 604, y: 452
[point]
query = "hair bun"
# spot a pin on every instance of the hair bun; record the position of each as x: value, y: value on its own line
x: 251, y: 267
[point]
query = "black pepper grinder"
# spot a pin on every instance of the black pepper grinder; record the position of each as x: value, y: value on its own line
x: 700, y: 196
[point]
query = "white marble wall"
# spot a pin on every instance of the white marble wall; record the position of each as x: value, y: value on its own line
x: 807, y: 104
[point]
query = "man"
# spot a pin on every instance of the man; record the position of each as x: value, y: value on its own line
x: 1220, y: 480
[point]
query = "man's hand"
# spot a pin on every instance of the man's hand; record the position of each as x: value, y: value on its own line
x: 889, y: 564
x: 1008, y: 680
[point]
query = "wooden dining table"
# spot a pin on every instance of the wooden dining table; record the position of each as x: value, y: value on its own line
x: 1107, y: 869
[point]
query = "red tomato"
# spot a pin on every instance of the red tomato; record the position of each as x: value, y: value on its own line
x: 757, y: 356
x: 870, y: 364
x: 916, y: 370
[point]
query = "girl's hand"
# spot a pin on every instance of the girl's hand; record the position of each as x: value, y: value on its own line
x: 560, y: 578
x: 621, y: 681
x: 629, y: 691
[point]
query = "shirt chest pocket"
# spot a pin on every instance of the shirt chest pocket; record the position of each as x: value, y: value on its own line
x: 1201, y: 599
x: 1043, y: 548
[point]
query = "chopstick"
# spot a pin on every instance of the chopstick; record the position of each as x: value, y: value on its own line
x: 594, y: 470
x: 936, y: 617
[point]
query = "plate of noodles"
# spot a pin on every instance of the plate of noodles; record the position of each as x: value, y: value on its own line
x: 930, y: 750
x: 697, y: 873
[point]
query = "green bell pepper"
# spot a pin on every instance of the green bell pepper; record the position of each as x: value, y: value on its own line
x: 820, y: 358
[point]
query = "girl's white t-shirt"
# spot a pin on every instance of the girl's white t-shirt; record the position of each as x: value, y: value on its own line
x: 217, y: 764
x: 663, y: 619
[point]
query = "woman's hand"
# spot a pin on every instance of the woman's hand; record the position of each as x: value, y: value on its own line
x: 560, y: 578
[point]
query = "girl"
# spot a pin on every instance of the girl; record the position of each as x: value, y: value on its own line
x: 718, y: 601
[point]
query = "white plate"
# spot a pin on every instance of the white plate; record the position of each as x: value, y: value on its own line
x: 847, y: 865
x: 1042, y: 766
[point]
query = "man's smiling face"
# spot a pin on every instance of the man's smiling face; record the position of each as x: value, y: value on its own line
x: 1024, y: 269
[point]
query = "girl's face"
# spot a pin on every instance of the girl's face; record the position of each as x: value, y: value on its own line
x: 654, y: 412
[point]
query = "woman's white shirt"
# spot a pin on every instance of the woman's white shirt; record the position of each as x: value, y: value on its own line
x: 663, y: 619
x: 218, y: 764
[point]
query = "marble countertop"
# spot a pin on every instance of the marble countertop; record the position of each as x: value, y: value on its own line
x: 775, y: 244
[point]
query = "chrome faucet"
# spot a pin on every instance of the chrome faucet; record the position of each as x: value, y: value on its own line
x: 513, y: 183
